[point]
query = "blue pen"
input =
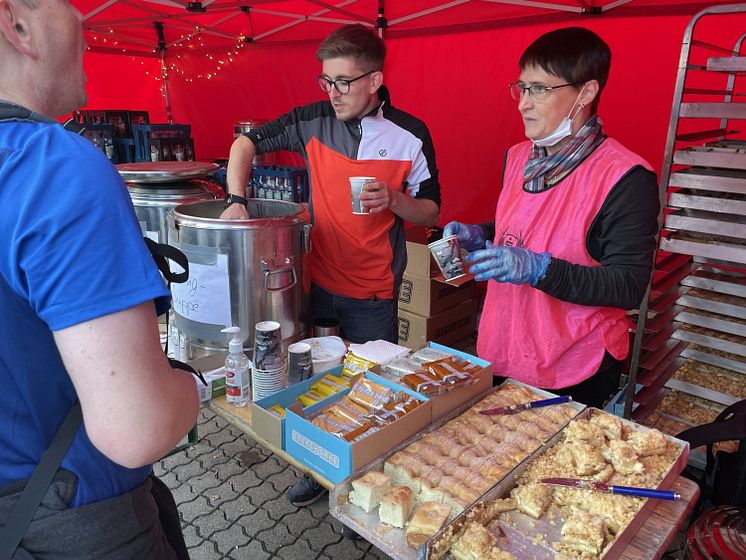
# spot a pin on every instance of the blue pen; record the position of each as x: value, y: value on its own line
x: 623, y: 490
x: 515, y: 408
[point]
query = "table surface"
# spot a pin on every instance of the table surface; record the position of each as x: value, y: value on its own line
x: 649, y: 543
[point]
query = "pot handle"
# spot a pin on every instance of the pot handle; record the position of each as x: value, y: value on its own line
x: 267, y: 272
x: 306, y: 237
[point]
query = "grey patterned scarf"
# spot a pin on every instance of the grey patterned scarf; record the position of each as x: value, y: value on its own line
x: 541, y: 168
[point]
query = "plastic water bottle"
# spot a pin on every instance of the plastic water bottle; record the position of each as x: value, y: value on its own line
x: 237, y: 391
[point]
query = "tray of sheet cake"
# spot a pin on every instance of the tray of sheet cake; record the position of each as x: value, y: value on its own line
x: 521, y: 517
x: 400, y: 500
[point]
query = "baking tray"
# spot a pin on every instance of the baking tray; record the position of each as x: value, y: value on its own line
x: 711, y: 111
x: 519, y: 534
x: 714, y: 360
x: 727, y: 64
x: 710, y: 339
x: 701, y: 392
x: 165, y: 171
x: 388, y: 539
x: 718, y: 180
x: 701, y: 221
x: 715, y: 280
x: 708, y: 202
x: 723, y: 251
x: 710, y: 382
x: 702, y: 319
x: 731, y: 306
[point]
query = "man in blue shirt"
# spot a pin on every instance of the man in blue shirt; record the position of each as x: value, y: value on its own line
x: 78, y: 298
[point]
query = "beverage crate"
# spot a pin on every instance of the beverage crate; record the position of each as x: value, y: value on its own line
x: 146, y: 133
x: 123, y: 120
x: 279, y: 182
x: 102, y: 136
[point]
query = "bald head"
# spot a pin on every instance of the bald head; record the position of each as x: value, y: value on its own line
x: 41, y: 55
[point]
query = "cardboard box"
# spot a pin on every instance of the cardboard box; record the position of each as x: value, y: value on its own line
x: 447, y: 327
x: 269, y: 426
x: 215, y: 385
x: 429, y: 296
x: 446, y: 402
x: 424, y: 291
x: 333, y: 457
x: 419, y: 261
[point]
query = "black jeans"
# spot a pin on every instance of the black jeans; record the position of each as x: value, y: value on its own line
x: 142, y: 524
x: 599, y: 387
x: 595, y: 390
x: 360, y: 320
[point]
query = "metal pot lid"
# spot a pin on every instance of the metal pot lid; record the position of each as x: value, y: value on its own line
x: 165, y: 171
x: 170, y: 190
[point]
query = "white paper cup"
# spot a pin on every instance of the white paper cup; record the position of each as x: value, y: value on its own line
x: 357, y: 186
x: 447, y: 253
x: 300, y: 364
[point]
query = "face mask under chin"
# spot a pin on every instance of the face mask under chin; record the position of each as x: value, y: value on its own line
x: 562, y: 131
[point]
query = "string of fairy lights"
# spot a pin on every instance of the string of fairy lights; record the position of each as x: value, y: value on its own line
x: 177, y: 54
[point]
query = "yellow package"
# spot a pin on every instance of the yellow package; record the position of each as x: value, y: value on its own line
x: 310, y: 397
x: 321, y: 389
x: 355, y: 364
x: 277, y: 410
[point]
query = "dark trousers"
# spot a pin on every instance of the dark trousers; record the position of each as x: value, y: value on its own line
x: 599, y: 387
x: 594, y: 391
x: 360, y: 320
x: 142, y: 524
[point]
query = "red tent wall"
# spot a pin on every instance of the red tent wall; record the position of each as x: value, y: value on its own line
x: 124, y: 82
x: 455, y: 82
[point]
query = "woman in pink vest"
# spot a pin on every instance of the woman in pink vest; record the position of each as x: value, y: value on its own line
x: 575, y: 228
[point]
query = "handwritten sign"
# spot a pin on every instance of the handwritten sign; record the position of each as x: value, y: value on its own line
x: 205, y: 297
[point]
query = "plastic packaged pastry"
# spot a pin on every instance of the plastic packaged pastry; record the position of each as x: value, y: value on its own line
x: 370, y: 394
x: 354, y: 365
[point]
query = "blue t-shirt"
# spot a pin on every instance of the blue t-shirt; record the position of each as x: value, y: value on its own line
x: 71, y: 250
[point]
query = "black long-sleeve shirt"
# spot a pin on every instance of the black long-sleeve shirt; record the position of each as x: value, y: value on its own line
x: 622, y: 237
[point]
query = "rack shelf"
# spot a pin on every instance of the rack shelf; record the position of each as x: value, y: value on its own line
x: 690, y: 337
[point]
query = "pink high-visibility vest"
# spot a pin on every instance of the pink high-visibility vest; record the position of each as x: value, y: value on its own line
x: 525, y: 333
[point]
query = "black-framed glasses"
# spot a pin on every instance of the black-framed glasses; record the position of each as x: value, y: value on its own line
x: 340, y: 84
x: 537, y: 91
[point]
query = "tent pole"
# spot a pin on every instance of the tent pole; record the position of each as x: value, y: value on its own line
x: 381, y: 22
x: 164, y: 71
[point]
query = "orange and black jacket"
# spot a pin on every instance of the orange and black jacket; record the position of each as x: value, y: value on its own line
x: 357, y: 256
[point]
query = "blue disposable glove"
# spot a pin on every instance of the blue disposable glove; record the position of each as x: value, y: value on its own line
x: 508, y: 264
x: 470, y: 236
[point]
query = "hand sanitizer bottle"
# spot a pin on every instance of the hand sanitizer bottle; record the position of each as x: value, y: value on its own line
x: 237, y: 391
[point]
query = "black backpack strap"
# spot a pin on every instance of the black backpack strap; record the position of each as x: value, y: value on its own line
x: 23, y: 512
x: 162, y: 253
x: 729, y: 425
x: 176, y: 364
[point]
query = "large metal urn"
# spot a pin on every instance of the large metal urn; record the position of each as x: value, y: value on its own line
x: 156, y: 188
x: 241, y: 272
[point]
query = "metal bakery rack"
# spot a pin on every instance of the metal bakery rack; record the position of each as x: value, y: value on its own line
x: 689, y: 355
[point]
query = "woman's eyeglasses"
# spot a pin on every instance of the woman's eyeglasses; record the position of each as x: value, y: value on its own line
x: 537, y: 91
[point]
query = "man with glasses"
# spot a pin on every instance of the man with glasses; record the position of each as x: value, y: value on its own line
x: 575, y: 228
x: 357, y: 261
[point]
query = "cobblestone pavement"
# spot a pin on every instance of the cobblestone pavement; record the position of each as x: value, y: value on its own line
x: 231, y: 497
x: 230, y: 492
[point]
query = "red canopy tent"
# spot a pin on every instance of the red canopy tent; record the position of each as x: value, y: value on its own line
x: 449, y: 63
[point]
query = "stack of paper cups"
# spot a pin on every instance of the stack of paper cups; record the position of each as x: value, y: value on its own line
x: 269, y: 370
